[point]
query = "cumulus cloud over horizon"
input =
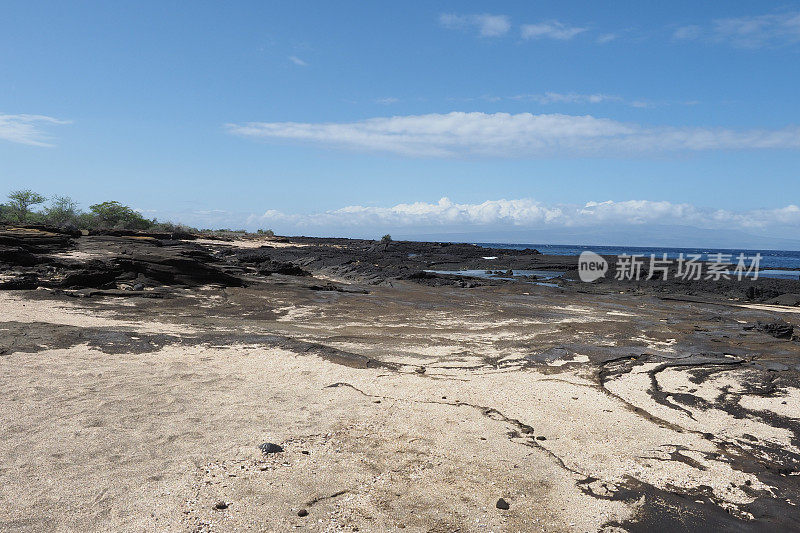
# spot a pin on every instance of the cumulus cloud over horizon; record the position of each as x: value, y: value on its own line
x: 523, y: 135
x: 27, y: 129
x: 530, y: 214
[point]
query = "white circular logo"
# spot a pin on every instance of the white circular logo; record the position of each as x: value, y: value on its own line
x: 591, y: 266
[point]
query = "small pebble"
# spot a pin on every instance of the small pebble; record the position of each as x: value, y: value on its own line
x: 302, y: 512
x: 502, y: 504
x: 268, y: 447
x: 221, y: 505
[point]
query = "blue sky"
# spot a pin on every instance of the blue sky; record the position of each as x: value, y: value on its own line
x: 522, y: 115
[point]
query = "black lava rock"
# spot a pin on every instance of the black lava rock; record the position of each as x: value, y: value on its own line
x: 221, y: 505
x: 778, y: 329
x: 268, y: 448
x: 502, y: 504
x: 302, y: 512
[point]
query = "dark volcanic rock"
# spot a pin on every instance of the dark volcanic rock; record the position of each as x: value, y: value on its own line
x: 16, y: 255
x: 269, y: 447
x: 100, y: 275
x: 178, y: 268
x: 277, y: 267
x: 35, y: 240
x: 437, y: 280
x: 140, y: 258
x: 778, y: 329
x: 330, y: 287
x: 24, y: 282
x: 502, y: 504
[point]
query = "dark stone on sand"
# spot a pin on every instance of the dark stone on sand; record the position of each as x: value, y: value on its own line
x: 302, y: 512
x: 541, y: 437
x: 502, y: 504
x: 268, y: 448
x: 220, y: 505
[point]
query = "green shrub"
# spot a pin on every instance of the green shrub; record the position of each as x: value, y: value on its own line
x: 6, y: 214
x: 20, y: 202
x: 62, y: 211
x: 117, y: 216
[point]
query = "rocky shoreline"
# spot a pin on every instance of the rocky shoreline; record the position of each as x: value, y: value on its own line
x: 143, y: 371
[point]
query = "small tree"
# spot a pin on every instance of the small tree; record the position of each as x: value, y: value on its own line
x: 385, y: 240
x: 116, y: 215
x: 62, y: 210
x: 7, y: 214
x: 21, y: 202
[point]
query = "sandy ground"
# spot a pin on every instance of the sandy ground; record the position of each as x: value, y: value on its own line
x: 473, y: 401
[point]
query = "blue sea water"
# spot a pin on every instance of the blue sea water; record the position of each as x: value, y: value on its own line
x: 770, y: 259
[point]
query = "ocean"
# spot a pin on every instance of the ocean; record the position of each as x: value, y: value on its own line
x: 770, y: 259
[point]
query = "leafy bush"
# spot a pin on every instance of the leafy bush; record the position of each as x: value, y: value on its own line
x: 62, y: 211
x: 20, y: 202
x: 117, y: 216
x: 6, y: 214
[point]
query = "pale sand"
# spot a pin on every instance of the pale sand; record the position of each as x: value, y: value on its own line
x: 148, y: 442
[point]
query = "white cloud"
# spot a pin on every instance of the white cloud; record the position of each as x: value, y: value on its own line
x: 550, y: 30
x: 523, y: 135
x: 486, y: 25
x: 27, y: 129
x: 607, y: 38
x: 747, y: 32
x: 551, y: 97
x: 567, y: 98
x: 297, y: 61
x: 688, y: 33
x: 530, y: 214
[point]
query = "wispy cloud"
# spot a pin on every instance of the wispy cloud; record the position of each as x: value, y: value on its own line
x: 27, y: 129
x: 297, y: 61
x: 607, y: 38
x: 486, y: 25
x: 524, y: 135
x: 388, y: 100
x: 551, y: 97
x: 528, y: 213
x: 550, y: 30
x: 777, y: 29
x: 567, y: 98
